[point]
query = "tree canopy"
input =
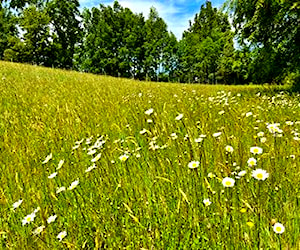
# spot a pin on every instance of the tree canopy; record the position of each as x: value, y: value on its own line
x: 260, y: 44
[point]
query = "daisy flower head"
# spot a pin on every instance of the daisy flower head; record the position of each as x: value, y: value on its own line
x: 179, y: 117
x: 193, y: 164
x: 256, y: 150
x: 28, y: 219
x: 216, y: 135
x: 60, y: 189
x: 51, y: 176
x: 61, y: 235
x: 198, y: 140
x: 260, y: 174
x: 242, y: 173
x: 274, y: 128
x: 17, y: 204
x: 96, y: 158
x: 206, y: 202
x: 263, y: 139
x: 73, y: 185
x: 149, y: 111
x: 278, y: 228
x: 123, y: 157
x: 260, y: 134
x: 251, y: 162
x: 38, y: 230
x: 248, y: 114
x: 48, y: 158
x: 174, y: 136
x: 61, y: 162
x: 89, y: 169
x: 51, y: 219
x: 228, y: 182
x: 229, y: 149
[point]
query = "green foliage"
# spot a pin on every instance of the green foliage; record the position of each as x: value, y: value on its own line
x: 119, y: 43
x: 292, y: 79
x: 7, y: 29
x: 207, y: 48
x: 66, y: 33
x: 273, y: 31
x: 35, y: 23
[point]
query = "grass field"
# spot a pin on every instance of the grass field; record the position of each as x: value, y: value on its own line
x: 92, y: 162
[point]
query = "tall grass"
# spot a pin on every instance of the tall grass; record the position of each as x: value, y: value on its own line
x: 141, y: 193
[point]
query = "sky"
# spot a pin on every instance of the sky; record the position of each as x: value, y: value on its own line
x: 176, y: 13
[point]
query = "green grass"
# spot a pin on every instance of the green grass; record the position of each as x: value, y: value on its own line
x: 153, y: 200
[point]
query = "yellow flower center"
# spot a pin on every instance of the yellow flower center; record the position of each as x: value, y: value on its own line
x: 228, y: 183
x: 278, y: 229
x: 259, y: 176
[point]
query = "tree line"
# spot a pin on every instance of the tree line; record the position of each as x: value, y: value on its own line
x: 246, y: 41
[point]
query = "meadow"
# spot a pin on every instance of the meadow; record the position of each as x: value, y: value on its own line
x: 95, y: 162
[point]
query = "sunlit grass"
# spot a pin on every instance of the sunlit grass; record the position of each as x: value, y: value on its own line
x: 98, y: 162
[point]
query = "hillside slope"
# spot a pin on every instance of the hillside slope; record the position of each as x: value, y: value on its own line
x: 96, y: 162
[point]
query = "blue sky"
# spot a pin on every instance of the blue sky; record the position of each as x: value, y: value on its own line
x: 176, y: 13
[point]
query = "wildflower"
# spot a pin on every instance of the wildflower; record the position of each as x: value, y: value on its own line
x: 91, y: 151
x: 249, y: 114
x: 274, y: 128
x: 243, y: 210
x: 228, y: 182
x: 250, y: 224
x: 123, y: 157
x: 91, y: 168
x: 217, y: 134
x: 36, y: 210
x: 73, y: 185
x: 251, y: 162
x: 61, y: 162
x: 174, y: 136
x: 28, y: 218
x: 38, y: 230
x: 206, y: 202
x: 211, y: 175
x: 143, y: 131
x: 198, y: 140
x: 61, y: 235
x: 221, y: 112
x: 278, y: 228
x: 179, y: 117
x: 149, y: 111
x: 51, y: 176
x: 76, y: 146
x: 256, y: 150
x: 289, y: 123
x: 242, y: 173
x: 193, y: 164
x: 96, y: 158
x: 60, y: 189
x: 17, y: 204
x: 263, y: 139
x: 149, y: 120
x: 229, y: 149
x: 51, y: 219
x: 48, y: 158
x: 260, y: 174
